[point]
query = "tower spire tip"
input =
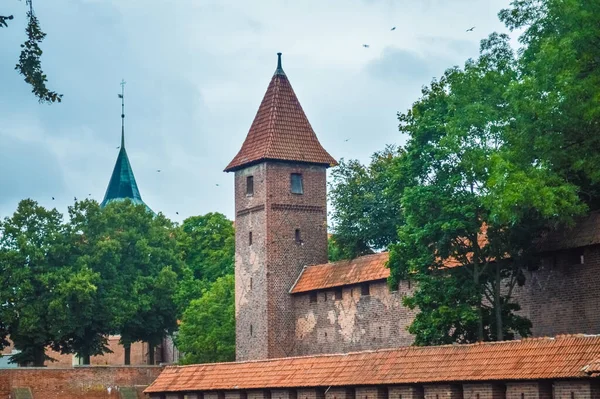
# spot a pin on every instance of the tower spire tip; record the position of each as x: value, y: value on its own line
x: 279, y: 70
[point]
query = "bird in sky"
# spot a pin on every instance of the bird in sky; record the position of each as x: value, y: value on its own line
x: 346, y: 140
x: 52, y: 198
x: 75, y: 198
x: 118, y: 147
x: 177, y: 213
x: 471, y: 29
x: 394, y: 28
x: 158, y: 170
x: 366, y: 46
x: 90, y: 194
x: 217, y: 184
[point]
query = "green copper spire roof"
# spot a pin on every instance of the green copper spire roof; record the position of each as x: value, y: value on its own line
x: 122, y: 184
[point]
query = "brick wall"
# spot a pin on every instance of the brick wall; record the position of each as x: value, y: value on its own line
x: 79, y: 382
x: 266, y: 270
x: 443, y: 391
x: 484, y: 391
x: 139, y: 355
x: 529, y: 390
x: 405, y: 392
x: 558, y: 298
x: 355, y: 322
x: 561, y: 297
x: 575, y: 389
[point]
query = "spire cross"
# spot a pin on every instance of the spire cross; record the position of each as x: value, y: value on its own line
x: 122, y: 97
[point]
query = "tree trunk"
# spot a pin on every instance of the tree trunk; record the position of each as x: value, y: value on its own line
x: 85, y: 359
x: 39, y: 356
x: 127, y: 354
x: 150, y: 353
x: 479, y: 304
x: 498, y: 305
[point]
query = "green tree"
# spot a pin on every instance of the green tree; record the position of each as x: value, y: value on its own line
x: 207, y: 331
x: 477, y: 201
x: 556, y: 100
x: 366, y: 203
x: 146, y: 264
x: 30, y: 65
x: 32, y: 257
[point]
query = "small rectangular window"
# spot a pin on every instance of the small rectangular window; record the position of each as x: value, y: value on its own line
x: 337, y: 294
x: 298, y: 237
x: 250, y: 185
x: 250, y: 329
x: 576, y: 256
x: 250, y: 283
x: 250, y: 238
x: 296, y: 183
x: 364, y: 289
x: 313, y: 297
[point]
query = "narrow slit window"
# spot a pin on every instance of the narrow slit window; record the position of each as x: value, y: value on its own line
x: 337, y: 294
x: 297, y: 236
x: 296, y: 183
x: 364, y: 289
x: 250, y: 283
x: 313, y: 297
x: 250, y: 238
x: 250, y: 329
x: 250, y: 185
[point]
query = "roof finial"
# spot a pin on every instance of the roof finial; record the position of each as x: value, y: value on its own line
x: 279, y: 70
x: 122, y: 97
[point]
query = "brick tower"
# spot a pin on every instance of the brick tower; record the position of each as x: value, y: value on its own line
x: 280, y: 220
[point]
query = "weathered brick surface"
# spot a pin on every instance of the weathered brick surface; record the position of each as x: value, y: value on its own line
x: 259, y: 394
x: 311, y: 393
x: 373, y: 392
x: 355, y: 322
x: 529, y: 390
x: 405, y: 392
x: 284, y: 394
x: 484, y: 391
x: 339, y: 393
x: 267, y: 269
x: 561, y: 297
x: 77, y: 383
x: 442, y: 391
x: 576, y: 389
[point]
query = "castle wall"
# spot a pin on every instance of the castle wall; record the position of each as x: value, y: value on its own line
x: 563, y: 297
x: 560, y: 297
x: 354, y: 323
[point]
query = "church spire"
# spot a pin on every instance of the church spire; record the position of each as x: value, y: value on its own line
x: 122, y: 184
x: 280, y: 131
x: 122, y: 97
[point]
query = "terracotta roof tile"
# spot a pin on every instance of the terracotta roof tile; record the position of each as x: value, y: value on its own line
x: 585, y: 232
x: 569, y: 356
x: 344, y: 272
x: 281, y: 130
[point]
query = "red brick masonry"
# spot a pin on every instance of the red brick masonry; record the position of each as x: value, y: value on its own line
x: 95, y: 382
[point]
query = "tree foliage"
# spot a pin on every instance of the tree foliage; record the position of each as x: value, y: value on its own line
x: 366, y: 203
x: 498, y: 152
x: 207, y: 331
x: 30, y: 65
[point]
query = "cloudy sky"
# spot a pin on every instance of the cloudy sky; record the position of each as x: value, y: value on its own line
x: 196, y: 71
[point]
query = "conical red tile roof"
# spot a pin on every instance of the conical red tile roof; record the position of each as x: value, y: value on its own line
x: 281, y: 130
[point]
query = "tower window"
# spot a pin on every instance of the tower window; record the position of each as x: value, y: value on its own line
x: 313, y: 297
x: 298, y: 237
x: 250, y: 283
x: 364, y: 289
x: 250, y: 185
x: 250, y: 329
x: 250, y: 238
x: 296, y: 183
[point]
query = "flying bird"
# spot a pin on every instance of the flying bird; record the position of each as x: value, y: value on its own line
x: 158, y: 170
x: 75, y: 198
x: 217, y: 184
x: 52, y: 198
x: 394, y: 28
x: 177, y: 213
x: 366, y: 46
x: 118, y: 147
x: 346, y: 140
x: 470, y: 29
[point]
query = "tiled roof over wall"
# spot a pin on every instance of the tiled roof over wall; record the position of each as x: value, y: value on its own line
x: 344, y: 272
x: 529, y: 359
x: 281, y: 130
x: 585, y: 232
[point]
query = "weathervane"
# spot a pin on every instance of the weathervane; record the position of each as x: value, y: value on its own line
x: 122, y: 97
